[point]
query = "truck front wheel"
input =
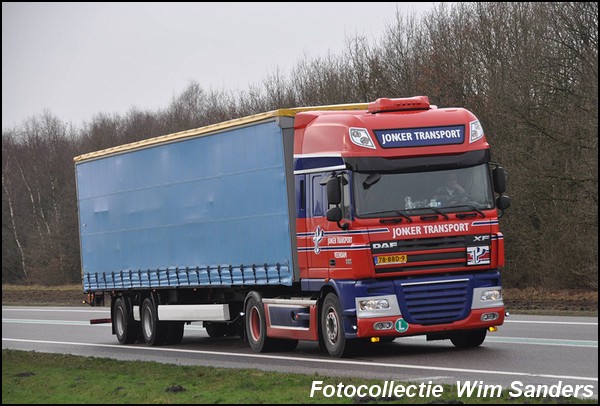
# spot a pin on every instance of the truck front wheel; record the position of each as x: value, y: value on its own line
x: 469, y: 339
x: 332, y: 328
x: 154, y: 331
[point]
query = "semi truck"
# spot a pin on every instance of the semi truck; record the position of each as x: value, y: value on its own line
x: 340, y: 225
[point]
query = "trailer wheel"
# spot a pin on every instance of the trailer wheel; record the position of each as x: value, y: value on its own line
x: 469, y: 339
x: 126, y: 328
x: 235, y: 329
x: 332, y: 328
x: 175, y: 332
x: 154, y: 331
x: 215, y: 330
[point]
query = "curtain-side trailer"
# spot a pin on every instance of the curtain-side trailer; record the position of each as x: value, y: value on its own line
x: 337, y: 224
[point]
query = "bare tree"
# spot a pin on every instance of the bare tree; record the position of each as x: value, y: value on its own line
x: 528, y: 70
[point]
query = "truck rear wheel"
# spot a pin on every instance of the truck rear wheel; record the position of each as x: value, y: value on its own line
x: 154, y: 331
x: 469, y: 339
x: 332, y: 328
x: 285, y: 345
x: 126, y: 328
x: 256, y: 328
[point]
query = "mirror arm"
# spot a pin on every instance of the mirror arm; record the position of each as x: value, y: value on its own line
x: 343, y: 226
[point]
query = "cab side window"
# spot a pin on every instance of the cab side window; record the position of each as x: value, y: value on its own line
x: 319, y: 197
x: 346, y: 199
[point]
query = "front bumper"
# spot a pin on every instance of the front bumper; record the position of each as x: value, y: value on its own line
x: 365, y: 326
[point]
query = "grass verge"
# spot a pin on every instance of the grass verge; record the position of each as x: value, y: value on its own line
x: 33, y: 378
x: 566, y: 302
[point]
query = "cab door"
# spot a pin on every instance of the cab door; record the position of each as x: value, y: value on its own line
x: 318, y: 226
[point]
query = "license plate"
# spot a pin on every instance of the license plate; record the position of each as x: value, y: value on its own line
x: 391, y: 259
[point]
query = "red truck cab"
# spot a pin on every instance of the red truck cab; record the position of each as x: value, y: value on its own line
x: 397, y: 219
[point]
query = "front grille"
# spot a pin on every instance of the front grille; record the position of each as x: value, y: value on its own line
x: 426, y: 254
x: 436, y: 302
x: 432, y: 243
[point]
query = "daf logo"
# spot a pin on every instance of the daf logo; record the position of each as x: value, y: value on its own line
x: 379, y: 245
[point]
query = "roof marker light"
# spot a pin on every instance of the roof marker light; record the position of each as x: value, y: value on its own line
x: 361, y: 137
x: 406, y: 103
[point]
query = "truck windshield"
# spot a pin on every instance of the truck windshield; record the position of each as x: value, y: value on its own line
x: 376, y: 194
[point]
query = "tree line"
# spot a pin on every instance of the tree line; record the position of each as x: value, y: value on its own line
x: 528, y: 70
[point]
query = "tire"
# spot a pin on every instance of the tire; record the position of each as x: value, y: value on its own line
x: 286, y: 345
x: 215, y: 330
x: 469, y: 339
x: 175, y: 332
x: 256, y: 328
x: 256, y: 325
x: 332, y: 328
x: 154, y: 331
x: 126, y: 328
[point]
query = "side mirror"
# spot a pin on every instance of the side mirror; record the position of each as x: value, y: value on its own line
x: 334, y: 214
x: 334, y: 191
x: 499, y: 179
x: 502, y: 202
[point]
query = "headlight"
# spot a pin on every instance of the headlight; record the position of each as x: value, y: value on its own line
x: 476, y: 131
x: 495, y: 294
x: 377, y: 306
x: 374, y: 304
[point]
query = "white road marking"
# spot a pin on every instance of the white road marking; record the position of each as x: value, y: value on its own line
x: 309, y: 360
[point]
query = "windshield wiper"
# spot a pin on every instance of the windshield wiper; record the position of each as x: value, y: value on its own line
x: 444, y: 215
x: 470, y: 206
x: 397, y: 212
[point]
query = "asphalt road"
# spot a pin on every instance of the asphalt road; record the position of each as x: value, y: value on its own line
x: 527, y: 350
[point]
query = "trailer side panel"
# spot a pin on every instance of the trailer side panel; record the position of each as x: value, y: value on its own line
x: 205, y: 211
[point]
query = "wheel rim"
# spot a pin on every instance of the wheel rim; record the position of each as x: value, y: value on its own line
x: 120, y: 321
x: 147, y: 322
x: 331, y: 326
x: 255, y: 324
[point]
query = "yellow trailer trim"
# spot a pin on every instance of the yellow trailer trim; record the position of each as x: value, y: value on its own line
x: 197, y: 132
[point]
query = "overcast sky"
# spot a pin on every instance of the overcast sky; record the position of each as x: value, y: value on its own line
x: 76, y: 60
